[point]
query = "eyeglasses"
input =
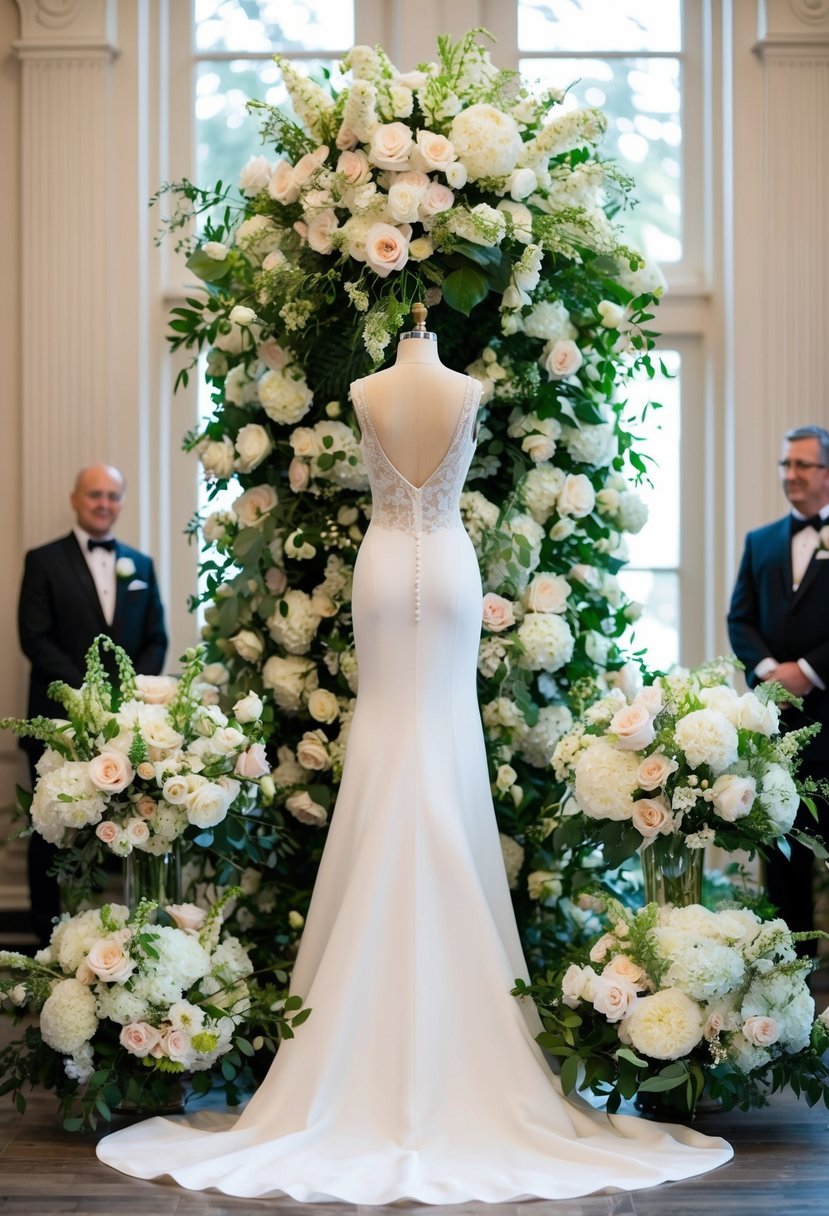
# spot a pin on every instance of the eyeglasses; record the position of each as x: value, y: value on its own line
x: 799, y: 466
x: 103, y: 495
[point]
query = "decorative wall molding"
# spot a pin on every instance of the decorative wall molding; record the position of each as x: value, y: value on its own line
x: 794, y: 26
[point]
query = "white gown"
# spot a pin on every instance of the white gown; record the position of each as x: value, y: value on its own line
x: 417, y: 1075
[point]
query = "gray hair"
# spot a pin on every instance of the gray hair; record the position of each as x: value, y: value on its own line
x: 811, y: 432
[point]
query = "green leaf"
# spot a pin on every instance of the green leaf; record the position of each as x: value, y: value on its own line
x: 207, y: 268
x: 465, y: 288
x: 570, y: 1073
x: 661, y: 1084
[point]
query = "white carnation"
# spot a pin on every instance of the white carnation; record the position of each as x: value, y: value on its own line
x: 707, y: 737
x: 605, y: 781
x: 68, y: 1018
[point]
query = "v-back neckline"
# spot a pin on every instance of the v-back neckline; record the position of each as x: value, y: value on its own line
x: 461, y: 417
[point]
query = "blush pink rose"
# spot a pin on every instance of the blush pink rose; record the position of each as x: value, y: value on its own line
x: 252, y: 763
x: 298, y: 475
x: 156, y: 690
x: 272, y: 354
x: 391, y: 146
x: 498, y: 613
x: 612, y: 996
x: 189, y: 917
x: 564, y: 359
x: 354, y: 167
x: 436, y: 151
x: 387, y: 249
x: 276, y: 579
x: 652, y: 816
x: 109, y: 961
x: 654, y: 771
x: 139, y: 1038
x: 436, y: 198
x: 760, y: 1031
x: 107, y: 831
x: 283, y: 186
x: 302, y: 806
x: 110, y: 772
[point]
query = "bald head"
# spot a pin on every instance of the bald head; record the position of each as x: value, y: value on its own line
x: 97, y: 499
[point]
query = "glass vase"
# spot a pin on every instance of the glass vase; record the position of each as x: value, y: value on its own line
x: 672, y: 873
x: 147, y: 876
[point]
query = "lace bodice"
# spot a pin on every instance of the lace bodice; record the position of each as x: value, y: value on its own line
x: 397, y: 504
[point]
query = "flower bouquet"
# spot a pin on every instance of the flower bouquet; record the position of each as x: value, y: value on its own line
x: 127, y: 1006
x: 677, y: 1004
x: 683, y: 763
x: 137, y: 764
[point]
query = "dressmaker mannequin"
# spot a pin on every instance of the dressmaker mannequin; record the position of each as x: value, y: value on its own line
x: 416, y: 404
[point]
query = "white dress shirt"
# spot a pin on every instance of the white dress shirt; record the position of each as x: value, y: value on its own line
x: 804, y: 547
x: 101, y: 564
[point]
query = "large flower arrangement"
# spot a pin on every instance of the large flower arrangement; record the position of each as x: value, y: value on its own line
x: 138, y: 762
x: 683, y: 759
x: 126, y: 1006
x: 680, y: 1003
x: 452, y: 184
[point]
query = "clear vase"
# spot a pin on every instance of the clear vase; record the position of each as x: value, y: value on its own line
x: 672, y: 873
x: 158, y: 878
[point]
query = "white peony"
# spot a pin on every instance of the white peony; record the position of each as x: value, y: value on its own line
x: 285, y: 395
x: 707, y: 737
x: 665, y: 1025
x: 486, y: 140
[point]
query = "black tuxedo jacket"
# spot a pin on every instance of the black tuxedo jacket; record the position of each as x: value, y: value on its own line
x: 60, y: 615
x: 767, y: 618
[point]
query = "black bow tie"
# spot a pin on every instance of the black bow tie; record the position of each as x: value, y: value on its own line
x: 109, y: 545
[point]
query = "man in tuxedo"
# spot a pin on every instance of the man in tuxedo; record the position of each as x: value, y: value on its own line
x: 778, y: 624
x: 74, y: 588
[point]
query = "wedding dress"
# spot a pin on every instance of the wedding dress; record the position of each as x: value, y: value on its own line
x: 417, y: 1075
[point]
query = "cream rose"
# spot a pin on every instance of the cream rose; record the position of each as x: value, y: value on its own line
x: 652, y: 817
x: 498, y: 613
x: 633, y: 727
x: 299, y: 475
x: 654, y: 771
x: 109, y: 961
x: 547, y: 593
x: 252, y: 506
x: 436, y: 151
x: 323, y: 705
x: 625, y: 968
x: 110, y: 771
x: 391, y: 146
x: 207, y: 805
x: 354, y: 167
x: 577, y: 496
x: 312, y: 752
x: 156, y: 690
x: 321, y: 228
x: 386, y: 249
x: 576, y: 984
x: 564, y: 359
x: 253, y: 445
x: 302, y: 806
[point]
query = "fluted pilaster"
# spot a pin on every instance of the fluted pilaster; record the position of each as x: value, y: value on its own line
x: 66, y: 51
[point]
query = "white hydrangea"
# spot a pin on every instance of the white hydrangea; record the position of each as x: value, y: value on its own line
x: 550, y: 321
x: 181, y: 961
x: 68, y: 1018
x: 593, y: 445
x: 121, y: 1005
x: 295, y: 629
x: 513, y: 858
x: 540, y: 490
x: 605, y: 781
x: 547, y: 641
x: 707, y: 737
x: 705, y: 969
x: 632, y: 513
x: 537, y: 743
x: 284, y: 397
x: 231, y: 961
x: 492, y: 652
x: 52, y: 817
x: 73, y: 937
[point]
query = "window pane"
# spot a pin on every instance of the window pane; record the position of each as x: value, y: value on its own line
x: 657, y: 630
x: 226, y: 135
x: 607, y: 25
x: 657, y: 545
x: 641, y: 98
x: 267, y: 26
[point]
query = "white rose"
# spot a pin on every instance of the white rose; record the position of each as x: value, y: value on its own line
x: 752, y: 714
x: 215, y: 250
x: 111, y: 772
x: 248, y: 645
x: 253, y: 444
x: 539, y: 448
x: 733, y: 796
x: 207, y: 805
x: 577, y: 497
x: 522, y: 183
x: 612, y: 314
x: 255, y: 175
x: 249, y: 708
x: 391, y: 146
x: 386, y: 249
x: 421, y: 249
x: 404, y: 197
x: 156, y: 690
x: 505, y: 777
x: 633, y: 727
x: 576, y: 983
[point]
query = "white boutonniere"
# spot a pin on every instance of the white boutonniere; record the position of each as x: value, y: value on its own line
x: 125, y: 567
x: 822, y: 551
